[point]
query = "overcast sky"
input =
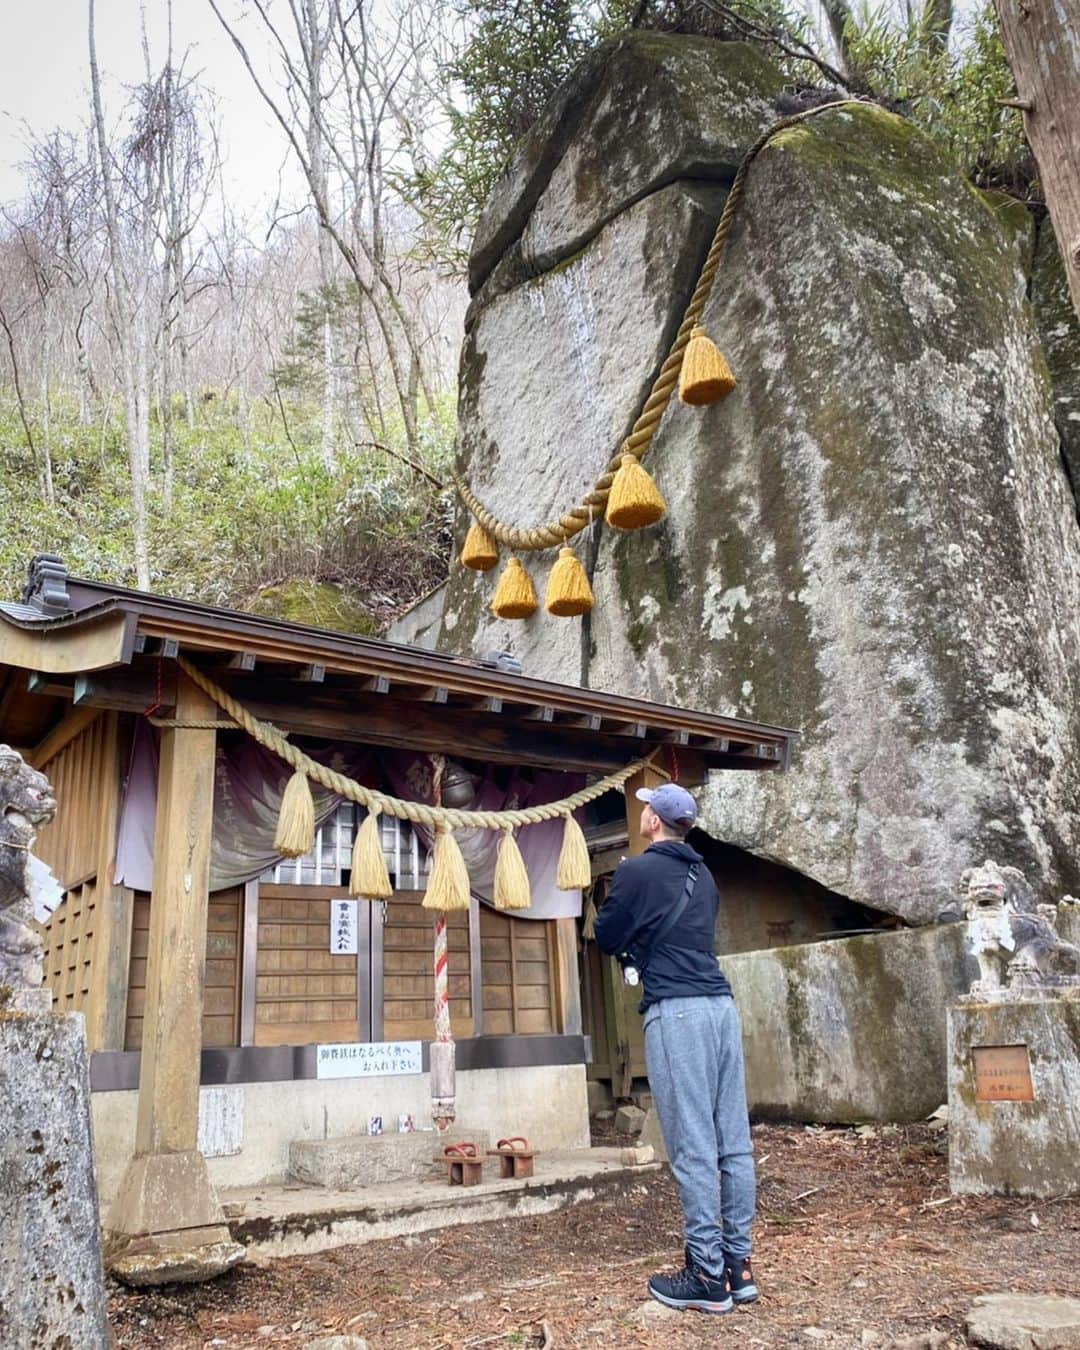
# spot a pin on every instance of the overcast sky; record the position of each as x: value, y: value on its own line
x: 45, y: 80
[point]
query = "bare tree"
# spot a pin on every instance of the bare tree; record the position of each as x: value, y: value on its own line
x: 129, y: 320
x: 348, y: 112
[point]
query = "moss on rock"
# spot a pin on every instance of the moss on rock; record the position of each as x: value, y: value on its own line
x: 319, y: 604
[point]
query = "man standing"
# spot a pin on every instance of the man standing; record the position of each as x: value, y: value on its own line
x: 660, y: 917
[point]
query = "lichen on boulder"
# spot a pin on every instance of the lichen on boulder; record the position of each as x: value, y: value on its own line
x: 871, y: 540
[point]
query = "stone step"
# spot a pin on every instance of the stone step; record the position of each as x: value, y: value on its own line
x: 373, y: 1160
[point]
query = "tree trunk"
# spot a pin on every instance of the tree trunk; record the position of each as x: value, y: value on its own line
x: 126, y: 320
x: 1042, y: 43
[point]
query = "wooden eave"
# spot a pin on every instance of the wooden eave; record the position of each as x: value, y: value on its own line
x: 314, y: 682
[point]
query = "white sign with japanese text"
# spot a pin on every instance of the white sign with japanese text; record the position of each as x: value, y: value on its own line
x: 368, y: 1059
x: 343, y: 927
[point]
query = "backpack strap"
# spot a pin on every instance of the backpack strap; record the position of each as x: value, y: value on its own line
x: 672, y: 917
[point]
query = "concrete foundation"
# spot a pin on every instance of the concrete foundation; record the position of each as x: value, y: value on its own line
x: 51, y: 1282
x: 275, y: 1221
x: 1015, y: 1147
x: 547, y: 1103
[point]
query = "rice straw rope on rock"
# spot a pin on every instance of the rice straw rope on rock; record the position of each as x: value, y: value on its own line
x: 525, y: 539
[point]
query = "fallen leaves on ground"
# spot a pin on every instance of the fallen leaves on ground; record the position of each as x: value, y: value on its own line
x: 857, y: 1243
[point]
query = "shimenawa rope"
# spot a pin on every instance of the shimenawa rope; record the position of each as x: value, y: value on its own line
x: 524, y: 539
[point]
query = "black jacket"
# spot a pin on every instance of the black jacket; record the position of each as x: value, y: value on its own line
x: 643, y: 891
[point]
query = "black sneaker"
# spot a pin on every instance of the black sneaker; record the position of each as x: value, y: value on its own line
x: 691, y: 1288
x: 740, y: 1278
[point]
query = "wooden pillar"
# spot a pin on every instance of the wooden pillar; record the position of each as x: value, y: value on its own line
x: 621, y: 1000
x: 564, y: 956
x: 176, y: 952
x: 647, y: 777
x: 166, y: 1200
x: 106, y: 1015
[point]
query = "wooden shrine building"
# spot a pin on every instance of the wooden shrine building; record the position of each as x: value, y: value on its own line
x: 204, y: 964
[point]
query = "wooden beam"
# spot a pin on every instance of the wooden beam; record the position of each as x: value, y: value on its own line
x: 418, y: 726
x: 313, y: 674
x: 126, y: 690
x: 420, y: 693
x: 65, y: 731
x: 66, y: 651
x: 48, y: 685
x: 241, y: 661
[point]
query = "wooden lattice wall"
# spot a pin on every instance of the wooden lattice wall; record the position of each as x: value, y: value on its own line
x: 91, y: 924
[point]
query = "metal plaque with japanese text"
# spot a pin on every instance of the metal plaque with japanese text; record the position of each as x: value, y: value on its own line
x: 1002, y: 1073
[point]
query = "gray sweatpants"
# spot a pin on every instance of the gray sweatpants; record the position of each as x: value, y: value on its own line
x: 693, y: 1052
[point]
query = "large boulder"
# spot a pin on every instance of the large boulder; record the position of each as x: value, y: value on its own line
x: 872, y: 540
x: 1059, y: 329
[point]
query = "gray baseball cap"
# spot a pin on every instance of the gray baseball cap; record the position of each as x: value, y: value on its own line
x: 672, y: 803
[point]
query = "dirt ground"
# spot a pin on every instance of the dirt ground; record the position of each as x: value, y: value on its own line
x: 857, y: 1243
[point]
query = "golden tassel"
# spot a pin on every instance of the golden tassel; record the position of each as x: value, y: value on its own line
x: 296, y: 820
x: 568, y: 589
x: 634, y: 500
x: 574, y: 871
x: 515, y: 597
x: 705, y: 376
x: 480, y: 551
x: 511, y: 878
x: 369, y: 877
x: 588, y: 926
x: 448, y: 885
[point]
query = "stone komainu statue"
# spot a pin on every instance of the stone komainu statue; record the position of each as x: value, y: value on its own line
x: 26, y: 803
x: 1014, y: 940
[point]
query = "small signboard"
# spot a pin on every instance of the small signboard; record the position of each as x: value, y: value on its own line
x: 343, y: 927
x: 368, y: 1059
x: 1002, y: 1073
x: 221, y: 1121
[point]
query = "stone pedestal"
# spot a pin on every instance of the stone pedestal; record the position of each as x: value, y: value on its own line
x: 51, y: 1283
x: 166, y: 1226
x: 1014, y: 1094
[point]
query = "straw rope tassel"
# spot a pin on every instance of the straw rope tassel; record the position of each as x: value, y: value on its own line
x: 480, y: 551
x: 369, y: 877
x: 448, y: 885
x: 588, y: 926
x: 705, y: 376
x: 568, y: 589
x: 295, y: 834
x: 574, y: 872
x: 511, y: 878
x: 515, y: 597
x: 635, y: 500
